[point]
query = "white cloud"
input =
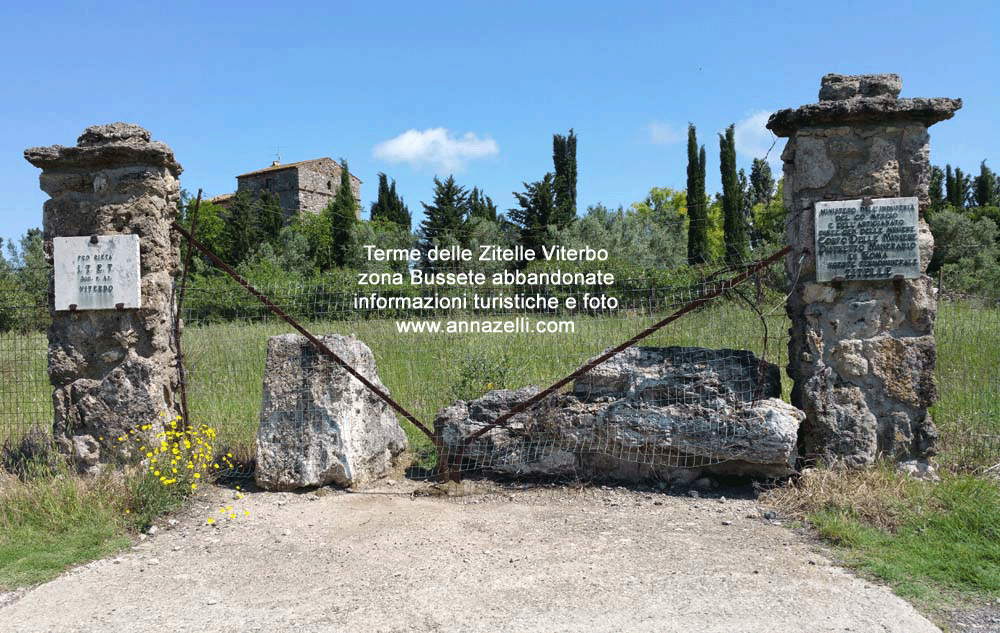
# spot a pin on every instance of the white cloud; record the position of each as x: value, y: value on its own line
x: 663, y: 133
x: 753, y: 140
x: 436, y: 148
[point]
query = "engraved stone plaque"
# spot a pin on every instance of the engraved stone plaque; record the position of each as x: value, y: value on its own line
x: 96, y: 273
x: 867, y: 239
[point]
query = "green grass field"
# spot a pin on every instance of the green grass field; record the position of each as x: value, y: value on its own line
x: 967, y: 413
x: 424, y: 372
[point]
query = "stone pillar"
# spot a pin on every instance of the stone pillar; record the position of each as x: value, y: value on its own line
x: 861, y: 352
x: 113, y: 369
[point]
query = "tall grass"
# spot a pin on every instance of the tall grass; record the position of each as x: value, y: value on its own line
x: 25, y: 392
x: 967, y: 412
x: 50, y: 518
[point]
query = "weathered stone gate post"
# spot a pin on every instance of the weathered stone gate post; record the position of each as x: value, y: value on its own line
x: 862, y: 349
x: 112, y: 353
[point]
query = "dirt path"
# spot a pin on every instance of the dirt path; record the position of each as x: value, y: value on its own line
x: 385, y: 560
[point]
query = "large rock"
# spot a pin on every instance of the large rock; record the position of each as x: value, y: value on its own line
x: 318, y: 424
x: 646, y: 412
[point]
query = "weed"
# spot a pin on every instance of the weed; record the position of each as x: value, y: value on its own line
x: 30, y: 457
x: 481, y: 371
x: 177, y: 460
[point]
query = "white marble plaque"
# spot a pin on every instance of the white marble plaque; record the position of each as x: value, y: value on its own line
x: 859, y: 241
x: 101, y: 274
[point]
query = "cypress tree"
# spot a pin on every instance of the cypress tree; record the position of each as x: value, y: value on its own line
x: 380, y: 208
x: 697, y: 209
x: 949, y: 184
x: 341, y: 215
x: 535, y: 212
x: 960, y: 189
x: 389, y: 206
x: 761, y: 182
x: 936, y: 189
x: 564, y: 178
x: 398, y: 212
x: 984, y: 191
x: 481, y: 206
x: 733, y: 223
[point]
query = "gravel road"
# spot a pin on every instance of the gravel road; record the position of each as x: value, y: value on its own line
x: 393, y: 559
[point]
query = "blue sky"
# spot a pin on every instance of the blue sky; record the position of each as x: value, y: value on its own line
x: 471, y: 88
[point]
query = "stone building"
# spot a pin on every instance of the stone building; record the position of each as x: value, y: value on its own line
x: 308, y: 185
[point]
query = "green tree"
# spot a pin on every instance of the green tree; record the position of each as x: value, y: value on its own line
x: 316, y: 229
x: 761, y: 182
x: 535, y: 214
x: 383, y: 234
x: 957, y: 187
x: 965, y: 253
x: 936, y: 189
x: 341, y: 214
x: 663, y: 216
x: 24, y: 284
x: 984, y: 192
x: 769, y: 217
x: 209, y: 230
x: 389, y: 206
x: 667, y: 207
x: 734, y: 221
x: 444, y: 219
x: 564, y: 178
x: 647, y: 235
x: 481, y: 206
x: 250, y: 221
x: 697, y: 251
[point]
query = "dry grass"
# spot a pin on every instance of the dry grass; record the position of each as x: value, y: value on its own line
x: 878, y: 496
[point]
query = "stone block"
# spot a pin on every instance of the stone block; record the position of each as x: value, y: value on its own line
x: 646, y: 412
x: 834, y: 87
x: 816, y: 169
x: 319, y: 425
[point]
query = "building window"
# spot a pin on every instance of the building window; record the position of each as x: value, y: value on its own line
x: 268, y: 183
x: 329, y: 185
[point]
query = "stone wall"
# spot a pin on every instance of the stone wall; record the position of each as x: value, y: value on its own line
x: 306, y: 186
x: 318, y: 182
x: 861, y: 353
x: 113, y: 370
x: 283, y: 183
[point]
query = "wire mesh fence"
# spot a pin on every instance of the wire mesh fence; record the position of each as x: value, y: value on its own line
x: 464, y: 342
x: 967, y: 412
x: 25, y: 394
x: 226, y: 334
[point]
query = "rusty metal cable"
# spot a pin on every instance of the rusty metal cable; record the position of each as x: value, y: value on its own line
x: 705, y: 297
x: 326, y: 351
